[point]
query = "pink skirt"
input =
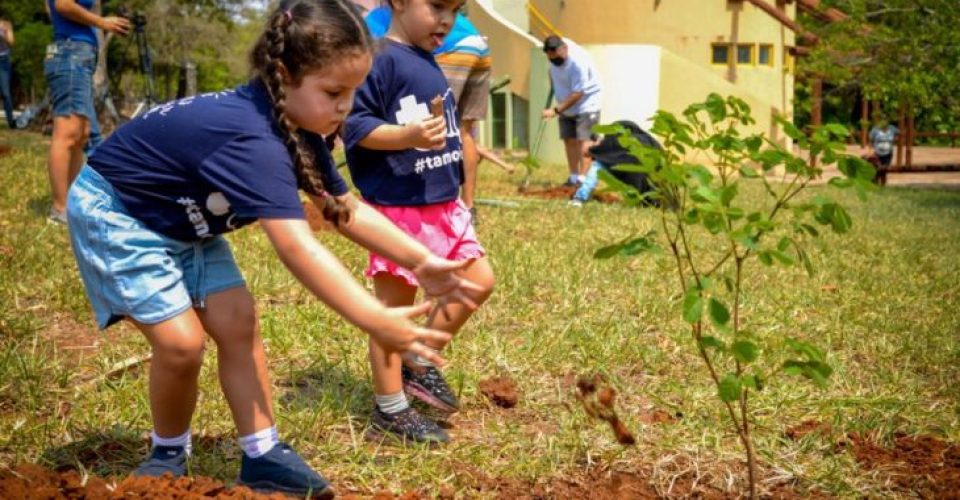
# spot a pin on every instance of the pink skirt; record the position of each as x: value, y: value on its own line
x: 446, y: 229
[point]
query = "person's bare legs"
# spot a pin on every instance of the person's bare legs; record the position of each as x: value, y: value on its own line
x: 66, y: 155
x: 178, y: 345
x: 478, y: 272
x: 572, y: 149
x: 584, y: 156
x: 393, y: 292
x: 471, y: 158
x: 231, y: 320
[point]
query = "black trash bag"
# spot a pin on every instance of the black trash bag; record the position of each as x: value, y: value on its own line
x: 609, y: 152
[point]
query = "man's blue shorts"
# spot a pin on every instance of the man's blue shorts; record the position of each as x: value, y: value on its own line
x: 131, y: 270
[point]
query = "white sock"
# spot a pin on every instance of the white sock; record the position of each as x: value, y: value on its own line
x: 424, y: 361
x: 259, y: 443
x: 581, y: 179
x: 392, y: 403
x: 182, y: 441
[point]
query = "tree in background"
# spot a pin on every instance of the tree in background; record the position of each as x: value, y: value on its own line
x: 214, y: 34
x: 901, y: 53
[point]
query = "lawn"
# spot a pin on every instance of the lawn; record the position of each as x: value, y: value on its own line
x: 883, y: 305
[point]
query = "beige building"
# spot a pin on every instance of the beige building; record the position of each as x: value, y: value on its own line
x: 651, y: 54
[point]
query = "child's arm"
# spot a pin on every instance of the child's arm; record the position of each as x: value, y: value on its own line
x: 324, y: 275
x: 371, y: 230
x: 430, y: 133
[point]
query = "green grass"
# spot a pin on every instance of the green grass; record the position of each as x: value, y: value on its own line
x: 891, y: 329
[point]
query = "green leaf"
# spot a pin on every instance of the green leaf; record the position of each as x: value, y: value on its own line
x: 709, y: 342
x: 749, y: 172
x: 730, y: 388
x: 745, y: 351
x: 765, y: 257
x: 719, y: 313
x: 609, y: 129
x: 716, y: 107
x: 639, y: 245
x: 754, y: 382
x: 608, y: 251
x: 692, y: 306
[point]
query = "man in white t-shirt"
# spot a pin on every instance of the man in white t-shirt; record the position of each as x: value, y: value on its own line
x: 576, y: 88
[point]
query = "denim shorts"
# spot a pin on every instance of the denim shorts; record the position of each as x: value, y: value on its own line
x: 129, y: 270
x: 69, y: 68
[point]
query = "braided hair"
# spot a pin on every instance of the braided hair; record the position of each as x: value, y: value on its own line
x: 303, y: 36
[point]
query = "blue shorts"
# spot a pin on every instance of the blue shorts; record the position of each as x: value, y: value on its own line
x: 69, y: 68
x: 131, y: 270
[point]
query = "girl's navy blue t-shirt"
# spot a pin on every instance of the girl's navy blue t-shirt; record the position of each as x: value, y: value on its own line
x: 398, y: 90
x: 209, y: 164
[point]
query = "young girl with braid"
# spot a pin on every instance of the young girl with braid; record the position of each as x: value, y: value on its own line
x: 147, y: 212
x: 407, y: 161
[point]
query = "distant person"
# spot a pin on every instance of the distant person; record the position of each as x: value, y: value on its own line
x: 464, y: 58
x: 607, y: 154
x: 576, y: 88
x: 148, y: 213
x: 883, y: 139
x: 69, y: 66
x: 6, y: 70
x: 405, y: 156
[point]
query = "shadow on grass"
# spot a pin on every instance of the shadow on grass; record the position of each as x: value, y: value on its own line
x: 39, y: 206
x: 327, y: 384
x: 117, y: 452
x: 112, y: 452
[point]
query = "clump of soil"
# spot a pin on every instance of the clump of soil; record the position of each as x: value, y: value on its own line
x: 657, y: 416
x: 5, y: 150
x: 923, y: 465
x: 807, y: 427
x: 599, y: 400
x: 566, y: 193
x: 501, y: 390
x: 35, y: 482
x: 315, y: 218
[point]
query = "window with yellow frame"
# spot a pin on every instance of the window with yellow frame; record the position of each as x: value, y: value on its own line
x: 745, y: 54
x: 765, y: 54
x: 720, y: 53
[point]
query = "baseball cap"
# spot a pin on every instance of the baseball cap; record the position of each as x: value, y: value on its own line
x: 552, y: 42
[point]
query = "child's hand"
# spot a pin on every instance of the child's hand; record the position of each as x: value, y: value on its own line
x: 400, y: 334
x: 440, y: 279
x: 430, y: 133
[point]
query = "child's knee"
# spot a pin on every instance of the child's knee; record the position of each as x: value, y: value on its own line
x: 484, y: 278
x: 183, y: 356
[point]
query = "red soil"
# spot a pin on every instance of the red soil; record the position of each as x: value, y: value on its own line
x: 807, y: 427
x: 565, y: 193
x: 922, y: 465
x: 501, y: 390
x: 34, y: 482
x: 5, y: 150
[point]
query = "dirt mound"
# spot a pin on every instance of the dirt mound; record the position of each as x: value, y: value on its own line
x: 598, y: 398
x: 5, y: 150
x: 35, y: 482
x: 565, y: 193
x: 807, y: 427
x: 501, y: 390
x: 923, y: 465
x: 597, y: 484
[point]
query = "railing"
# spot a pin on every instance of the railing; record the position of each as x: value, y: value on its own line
x: 545, y: 26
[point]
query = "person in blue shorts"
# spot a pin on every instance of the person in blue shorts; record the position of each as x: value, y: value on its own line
x: 148, y: 212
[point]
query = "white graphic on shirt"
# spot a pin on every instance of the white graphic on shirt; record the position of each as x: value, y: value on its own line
x: 217, y: 204
x: 195, y: 216
x: 412, y: 111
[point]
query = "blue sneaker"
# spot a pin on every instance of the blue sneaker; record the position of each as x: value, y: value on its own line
x: 281, y: 469
x: 162, y: 460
